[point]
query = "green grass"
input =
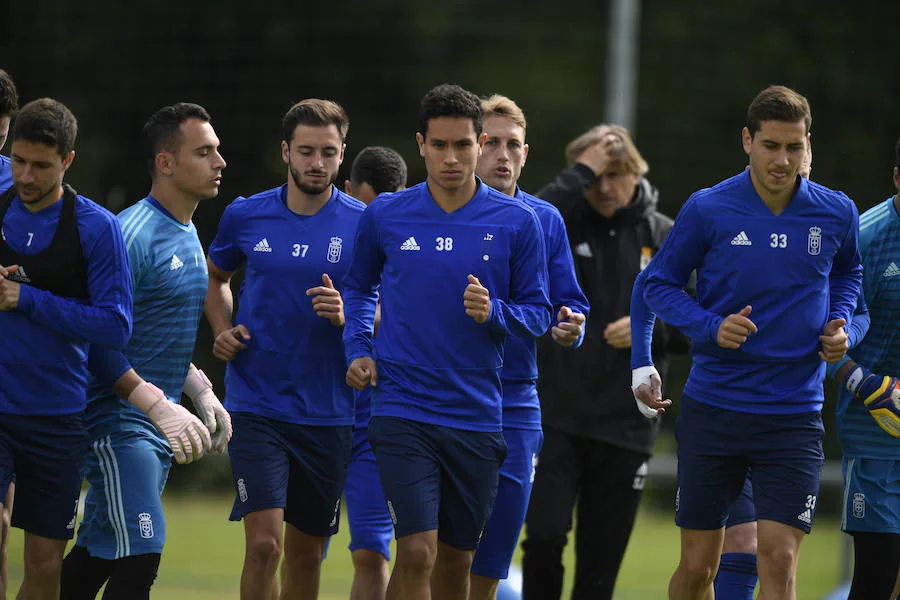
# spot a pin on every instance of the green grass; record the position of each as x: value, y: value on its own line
x: 203, y: 556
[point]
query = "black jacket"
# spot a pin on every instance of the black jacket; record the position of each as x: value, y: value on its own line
x: 587, y: 392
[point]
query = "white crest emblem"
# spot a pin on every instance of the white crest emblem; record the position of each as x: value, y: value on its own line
x: 334, y: 250
x: 859, y: 505
x: 242, y: 490
x: 146, y: 525
x: 814, y: 245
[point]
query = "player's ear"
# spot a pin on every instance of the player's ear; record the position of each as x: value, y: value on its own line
x: 285, y: 152
x: 421, y: 142
x: 347, y: 188
x: 164, y: 162
x: 67, y: 160
x: 746, y: 139
x: 524, y: 154
x: 343, y: 153
x: 482, y: 139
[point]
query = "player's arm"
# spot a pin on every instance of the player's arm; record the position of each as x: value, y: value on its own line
x: 360, y: 302
x: 879, y: 393
x: 664, y: 292
x: 568, y: 187
x: 528, y: 312
x: 646, y: 384
x: 569, y: 303
x: 106, y: 318
x: 844, y: 285
x: 187, y: 436
x: 225, y: 257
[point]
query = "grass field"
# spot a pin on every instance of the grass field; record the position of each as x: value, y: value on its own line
x: 204, y: 551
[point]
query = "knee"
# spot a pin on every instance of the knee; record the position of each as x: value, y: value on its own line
x: 263, y: 550
x: 307, y: 558
x: 740, y: 538
x: 368, y: 561
x: 777, y: 561
x: 456, y: 563
x: 44, y: 562
x: 416, y: 555
x: 699, y: 571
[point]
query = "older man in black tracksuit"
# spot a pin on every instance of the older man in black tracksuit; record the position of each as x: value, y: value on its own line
x: 596, y: 442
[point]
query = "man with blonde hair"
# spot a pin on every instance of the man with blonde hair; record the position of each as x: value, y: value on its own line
x: 499, y: 166
x: 596, y: 443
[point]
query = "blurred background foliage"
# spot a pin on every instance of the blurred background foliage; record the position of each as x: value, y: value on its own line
x: 114, y: 63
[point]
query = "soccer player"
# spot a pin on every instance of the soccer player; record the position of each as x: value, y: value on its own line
x: 869, y: 399
x: 64, y: 284
x: 9, y: 106
x: 293, y: 413
x: 123, y: 532
x: 499, y: 166
x: 375, y: 170
x: 778, y: 274
x: 461, y: 267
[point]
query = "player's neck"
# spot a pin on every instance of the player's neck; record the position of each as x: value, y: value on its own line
x: 301, y: 203
x: 450, y: 200
x: 775, y: 202
x: 179, y: 205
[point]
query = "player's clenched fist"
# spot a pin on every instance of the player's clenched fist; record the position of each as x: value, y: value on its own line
x: 569, y: 327
x: 834, y: 341
x: 477, y: 300
x: 735, y: 329
x: 362, y: 372
x: 327, y: 301
x: 230, y: 342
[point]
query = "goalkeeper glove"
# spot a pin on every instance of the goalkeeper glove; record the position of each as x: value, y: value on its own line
x: 186, y: 435
x: 199, y: 389
x: 880, y: 394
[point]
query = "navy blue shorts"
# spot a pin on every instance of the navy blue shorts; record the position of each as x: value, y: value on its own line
x: 367, y: 512
x: 716, y: 449
x: 495, y: 551
x: 46, y: 454
x: 742, y: 511
x: 437, y: 478
x: 300, y: 468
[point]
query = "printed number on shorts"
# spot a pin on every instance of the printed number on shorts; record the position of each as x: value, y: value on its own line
x: 811, y: 502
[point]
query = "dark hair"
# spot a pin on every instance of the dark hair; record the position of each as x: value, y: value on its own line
x: 897, y: 154
x: 47, y: 121
x: 162, y: 131
x: 380, y: 167
x: 9, y: 97
x: 318, y: 113
x: 447, y: 100
x: 778, y: 103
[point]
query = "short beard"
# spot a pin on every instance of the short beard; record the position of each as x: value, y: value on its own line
x: 307, y: 188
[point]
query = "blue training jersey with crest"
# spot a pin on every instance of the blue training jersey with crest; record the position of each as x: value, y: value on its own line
x: 6, y: 179
x: 168, y: 269
x: 879, y: 242
x: 436, y: 364
x: 521, y: 406
x: 797, y: 270
x: 293, y: 369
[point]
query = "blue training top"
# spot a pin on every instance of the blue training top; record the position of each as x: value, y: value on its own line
x: 168, y: 269
x: 293, y: 369
x: 797, y: 270
x: 436, y: 364
x: 879, y: 241
x: 43, y: 357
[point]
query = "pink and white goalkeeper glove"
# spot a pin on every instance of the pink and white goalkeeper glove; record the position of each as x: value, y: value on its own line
x: 211, y: 412
x: 185, y: 433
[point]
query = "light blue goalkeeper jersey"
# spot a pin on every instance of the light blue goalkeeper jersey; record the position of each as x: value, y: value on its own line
x: 879, y: 244
x: 168, y: 268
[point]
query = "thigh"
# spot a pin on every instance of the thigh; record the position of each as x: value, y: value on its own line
x: 556, y: 478
x: 470, y: 471
x: 786, y: 462
x: 318, y: 469
x: 259, y: 464
x: 367, y: 512
x: 497, y: 545
x: 123, y: 516
x: 410, y: 473
x: 711, y: 468
x: 871, y: 495
x: 49, y: 458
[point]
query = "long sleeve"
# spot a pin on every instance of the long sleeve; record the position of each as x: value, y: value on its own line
x: 564, y: 288
x: 106, y: 320
x: 670, y: 272
x: 845, y: 280
x: 361, y: 289
x: 642, y: 323
x: 107, y: 365
x: 528, y: 312
x: 569, y: 186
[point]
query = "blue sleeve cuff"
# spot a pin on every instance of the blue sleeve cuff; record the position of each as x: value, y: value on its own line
x: 26, y: 299
x: 832, y: 368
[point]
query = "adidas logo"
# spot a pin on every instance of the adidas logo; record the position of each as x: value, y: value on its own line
x: 805, y: 516
x: 19, y: 276
x: 262, y: 246
x: 410, y: 244
x: 892, y: 270
x: 741, y: 239
x: 176, y: 263
x: 584, y: 250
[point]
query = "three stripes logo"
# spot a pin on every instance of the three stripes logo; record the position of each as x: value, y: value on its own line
x: 410, y: 244
x: 805, y: 516
x: 741, y: 239
x: 176, y: 263
x: 262, y: 246
x: 892, y: 270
